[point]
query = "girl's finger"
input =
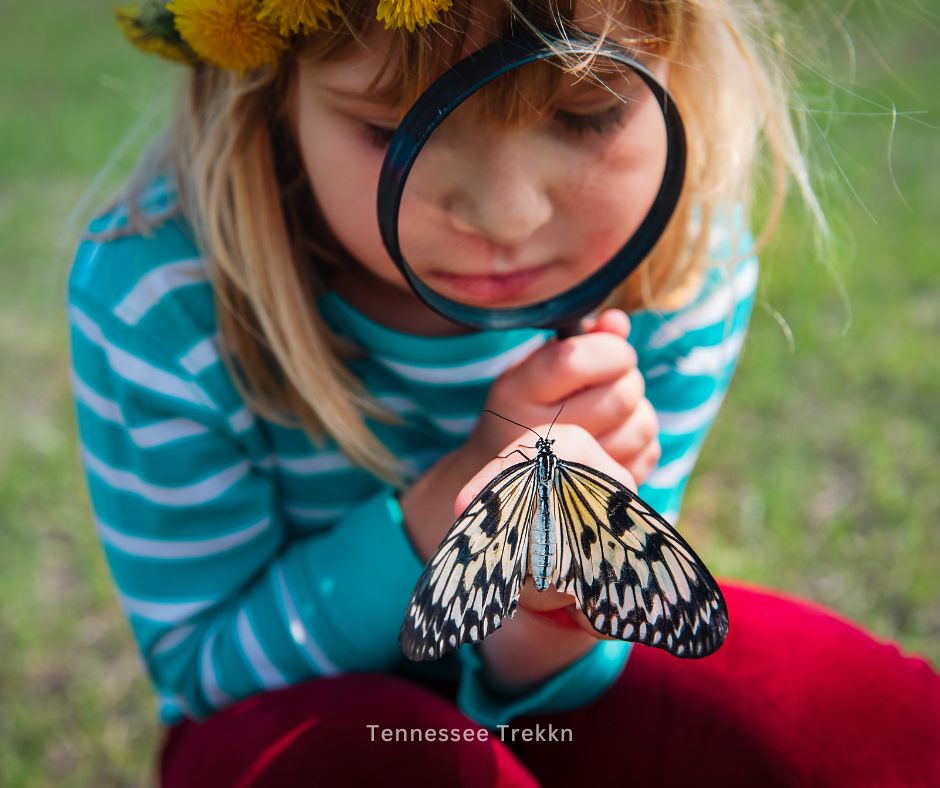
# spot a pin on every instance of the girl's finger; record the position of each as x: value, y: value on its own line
x: 643, y: 465
x: 604, y: 409
x: 627, y: 439
x: 612, y: 321
x: 484, y: 476
x: 556, y: 371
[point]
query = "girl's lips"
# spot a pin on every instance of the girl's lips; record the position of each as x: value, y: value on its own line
x: 491, y: 286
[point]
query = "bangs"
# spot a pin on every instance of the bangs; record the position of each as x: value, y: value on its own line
x: 413, y: 60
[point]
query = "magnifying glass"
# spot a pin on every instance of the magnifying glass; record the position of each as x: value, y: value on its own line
x: 517, y: 192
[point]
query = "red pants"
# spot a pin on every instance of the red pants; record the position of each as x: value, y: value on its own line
x: 796, y: 696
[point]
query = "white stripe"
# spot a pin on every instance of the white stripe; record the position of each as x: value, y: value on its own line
x: 456, y: 425
x: 658, y: 371
x: 705, y: 361
x: 682, y: 422
x: 156, y: 284
x: 179, y: 548
x: 267, y: 673
x: 172, y: 639
x: 719, y: 231
x: 136, y: 370
x: 317, y: 514
x: 316, y: 463
x: 208, y: 677
x: 161, y: 433
x: 163, y: 612
x: 201, y: 492
x: 298, y: 631
x: 718, y: 236
x: 487, y: 369
x: 106, y: 408
x: 665, y: 477
x: 717, y: 306
x: 201, y: 356
x: 241, y: 420
x: 331, y: 462
x: 158, y: 433
x: 711, y: 360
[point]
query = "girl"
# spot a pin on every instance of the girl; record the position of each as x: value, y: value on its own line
x: 277, y: 433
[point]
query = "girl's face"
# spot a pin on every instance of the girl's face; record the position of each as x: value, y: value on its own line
x: 491, y: 216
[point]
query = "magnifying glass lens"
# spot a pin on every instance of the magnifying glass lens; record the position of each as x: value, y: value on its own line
x: 533, y: 183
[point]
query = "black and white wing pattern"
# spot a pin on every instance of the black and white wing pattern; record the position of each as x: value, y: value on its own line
x: 472, y: 581
x: 632, y: 574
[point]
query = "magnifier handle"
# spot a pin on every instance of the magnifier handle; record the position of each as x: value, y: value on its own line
x: 571, y: 329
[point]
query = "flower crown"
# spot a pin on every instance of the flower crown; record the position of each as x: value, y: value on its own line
x: 241, y: 35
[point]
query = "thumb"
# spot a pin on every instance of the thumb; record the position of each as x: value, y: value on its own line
x: 483, y: 477
x: 612, y: 321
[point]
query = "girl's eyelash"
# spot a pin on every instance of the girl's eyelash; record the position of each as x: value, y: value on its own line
x: 595, y: 122
x: 379, y: 136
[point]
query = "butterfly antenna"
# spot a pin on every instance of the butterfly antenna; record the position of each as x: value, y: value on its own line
x: 554, y: 420
x: 514, y: 422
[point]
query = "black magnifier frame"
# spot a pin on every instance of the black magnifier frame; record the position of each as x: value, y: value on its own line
x: 563, y: 311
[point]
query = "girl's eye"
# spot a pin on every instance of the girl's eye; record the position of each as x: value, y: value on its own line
x: 378, y: 136
x: 601, y: 123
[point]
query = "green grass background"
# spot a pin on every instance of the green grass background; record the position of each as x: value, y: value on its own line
x: 820, y: 477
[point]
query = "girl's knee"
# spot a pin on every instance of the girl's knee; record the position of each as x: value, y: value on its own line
x: 326, y: 731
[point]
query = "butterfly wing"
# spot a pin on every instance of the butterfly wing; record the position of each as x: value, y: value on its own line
x: 472, y: 581
x: 632, y: 574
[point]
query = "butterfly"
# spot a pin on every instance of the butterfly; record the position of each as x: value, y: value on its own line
x: 577, y: 529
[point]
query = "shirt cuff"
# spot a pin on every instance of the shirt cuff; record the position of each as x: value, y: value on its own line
x: 579, y: 684
x: 360, y: 575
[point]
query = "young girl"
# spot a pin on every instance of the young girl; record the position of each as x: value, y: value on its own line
x: 277, y: 433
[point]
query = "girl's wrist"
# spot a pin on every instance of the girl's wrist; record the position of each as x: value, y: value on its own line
x: 529, y: 649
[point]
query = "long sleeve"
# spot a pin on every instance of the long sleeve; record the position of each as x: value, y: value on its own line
x: 247, y: 558
x: 221, y: 602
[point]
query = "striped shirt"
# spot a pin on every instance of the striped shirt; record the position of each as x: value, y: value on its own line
x: 245, y: 556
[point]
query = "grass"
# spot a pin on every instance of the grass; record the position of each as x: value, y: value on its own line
x: 819, y: 478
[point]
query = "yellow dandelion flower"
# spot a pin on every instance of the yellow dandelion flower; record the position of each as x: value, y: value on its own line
x: 150, y: 33
x: 228, y: 33
x: 410, y: 13
x: 295, y: 16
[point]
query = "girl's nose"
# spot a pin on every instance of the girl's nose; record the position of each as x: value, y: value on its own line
x: 501, y: 197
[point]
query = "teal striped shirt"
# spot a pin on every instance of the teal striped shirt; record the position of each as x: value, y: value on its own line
x: 247, y: 558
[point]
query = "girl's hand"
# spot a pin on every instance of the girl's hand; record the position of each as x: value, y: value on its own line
x: 529, y: 648
x: 595, y: 376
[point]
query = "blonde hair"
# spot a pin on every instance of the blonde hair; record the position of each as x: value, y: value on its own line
x: 258, y: 226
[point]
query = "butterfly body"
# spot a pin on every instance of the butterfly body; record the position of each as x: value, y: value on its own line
x: 542, y: 544
x: 583, y: 533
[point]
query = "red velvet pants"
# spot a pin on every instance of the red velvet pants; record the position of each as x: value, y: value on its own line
x: 796, y: 696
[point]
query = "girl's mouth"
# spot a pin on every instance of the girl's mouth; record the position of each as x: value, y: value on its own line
x: 496, y: 287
